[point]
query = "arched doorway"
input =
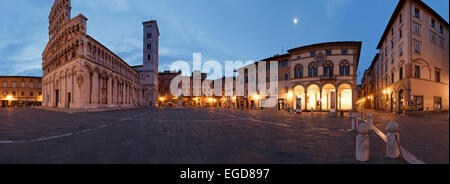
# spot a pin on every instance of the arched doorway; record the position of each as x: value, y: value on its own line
x: 313, y: 97
x: 345, y: 97
x: 299, y: 95
x: 329, y: 97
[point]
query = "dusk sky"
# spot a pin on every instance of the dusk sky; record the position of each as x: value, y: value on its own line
x: 221, y: 30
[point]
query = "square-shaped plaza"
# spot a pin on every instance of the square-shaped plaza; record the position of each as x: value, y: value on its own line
x: 208, y: 136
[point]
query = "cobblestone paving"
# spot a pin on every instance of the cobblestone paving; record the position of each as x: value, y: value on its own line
x: 180, y: 136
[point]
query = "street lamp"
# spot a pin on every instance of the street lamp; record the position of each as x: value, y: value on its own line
x: 256, y: 97
x: 162, y: 99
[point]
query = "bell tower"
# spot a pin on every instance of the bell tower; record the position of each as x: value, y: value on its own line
x: 149, y: 72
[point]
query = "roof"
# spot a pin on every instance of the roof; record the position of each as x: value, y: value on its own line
x: 340, y: 43
x: 273, y: 58
x: 152, y: 21
x: 397, y: 10
x: 325, y: 44
x: 31, y: 77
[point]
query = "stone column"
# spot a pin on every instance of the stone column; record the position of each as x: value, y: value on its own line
x: 109, y: 91
x: 320, y: 100
x: 82, y: 88
x: 123, y: 94
x: 113, y: 85
x: 95, y: 90
x: 306, y: 101
x: 61, y: 92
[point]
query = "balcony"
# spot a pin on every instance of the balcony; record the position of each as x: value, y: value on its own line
x: 328, y: 77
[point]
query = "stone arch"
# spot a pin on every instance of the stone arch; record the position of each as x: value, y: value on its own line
x: 299, y: 96
x: 329, y: 94
x: 313, y: 96
x: 313, y: 83
x: 345, y: 96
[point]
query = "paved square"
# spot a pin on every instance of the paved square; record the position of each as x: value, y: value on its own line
x: 182, y: 136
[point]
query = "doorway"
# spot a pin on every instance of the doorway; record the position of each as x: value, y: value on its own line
x: 69, y: 99
x: 56, y: 98
x: 281, y: 104
x: 437, y: 101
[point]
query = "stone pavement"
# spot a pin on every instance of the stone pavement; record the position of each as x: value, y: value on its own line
x: 179, y: 136
x: 425, y: 135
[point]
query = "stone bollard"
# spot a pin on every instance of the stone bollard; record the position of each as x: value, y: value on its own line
x: 354, y: 122
x: 362, y: 143
x: 369, y: 121
x: 392, y: 146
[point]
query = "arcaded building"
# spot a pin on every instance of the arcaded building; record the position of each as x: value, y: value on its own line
x: 20, y: 91
x: 80, y: 72
x: 320, y: 77
x: 411, y: 71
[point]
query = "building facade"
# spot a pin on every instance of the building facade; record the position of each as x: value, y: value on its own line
x: 411, y: 71
x: 17, y: 91
x: 78, y: 71
x: 148, y: 72
x: 319, y: 77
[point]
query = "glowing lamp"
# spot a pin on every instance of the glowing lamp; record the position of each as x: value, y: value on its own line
x: 256, y: 97
x: 290, y: 95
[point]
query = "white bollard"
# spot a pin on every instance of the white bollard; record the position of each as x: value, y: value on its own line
x: 362, y: 143
x: 392, y: 147
x: 353, y: 121
x: 369, y: 121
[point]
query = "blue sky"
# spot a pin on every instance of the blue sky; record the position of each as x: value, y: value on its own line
x: 221, y: 30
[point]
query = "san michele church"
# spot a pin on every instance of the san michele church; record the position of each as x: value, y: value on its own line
x: 81, y: 73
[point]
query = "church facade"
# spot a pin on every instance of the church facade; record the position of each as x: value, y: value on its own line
x: 81, y: 73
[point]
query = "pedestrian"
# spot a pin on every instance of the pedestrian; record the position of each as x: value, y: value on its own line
x: 342, y: 114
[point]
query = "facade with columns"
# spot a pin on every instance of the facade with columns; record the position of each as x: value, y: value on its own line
x: 78, y: 71
x: 321, y: 77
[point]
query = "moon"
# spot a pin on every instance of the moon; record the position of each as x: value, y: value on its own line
x: 295, y: 21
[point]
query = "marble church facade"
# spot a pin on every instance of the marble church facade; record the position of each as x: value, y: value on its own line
x: 79, y: 72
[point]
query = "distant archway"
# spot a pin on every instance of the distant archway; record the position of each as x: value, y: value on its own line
x: 313, y: 97
x: 299, y: 95
x: 328, y: 97
x: 345, y: 97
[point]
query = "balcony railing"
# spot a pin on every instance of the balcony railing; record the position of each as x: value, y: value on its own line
x: 328, y: 77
